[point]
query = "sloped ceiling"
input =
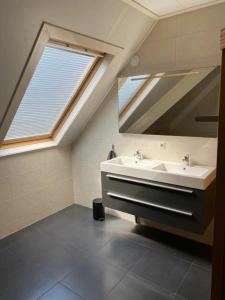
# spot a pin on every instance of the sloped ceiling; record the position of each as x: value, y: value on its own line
x: 108, y: 20
x: 161, y: 9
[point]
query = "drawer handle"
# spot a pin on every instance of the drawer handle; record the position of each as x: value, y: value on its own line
x: 127, y: 198
x: 173, y: 188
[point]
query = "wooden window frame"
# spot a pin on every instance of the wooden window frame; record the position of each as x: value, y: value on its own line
x: 49, y: 137
x: 54, y: 35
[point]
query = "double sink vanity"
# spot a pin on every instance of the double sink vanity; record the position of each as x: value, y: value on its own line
x: 169, y: 193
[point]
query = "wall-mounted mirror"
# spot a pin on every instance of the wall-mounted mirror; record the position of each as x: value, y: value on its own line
x: 179, y: 103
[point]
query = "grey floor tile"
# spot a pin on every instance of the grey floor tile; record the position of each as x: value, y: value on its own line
x: 9, y: 240
x: 93, y: 278
x: 164, y: 242
x: 68, y: 234
x: 8, y: 260
x: 122, y: 252
x: 73, y: 216
x: 57, y: 222
x: 165, y: 270
x: 131, y: 288
x: 144, y: 236
x: 9, y: 273
x: 17, y: 236
x: 114, y: 226
x: 196, y: 285
x: 203, y: 257
x: 58, y: 262
x: 91, y: 239
x: 34, y: 246
x: 60, y: 292
x: 176, y: 297
x: 26, y: 284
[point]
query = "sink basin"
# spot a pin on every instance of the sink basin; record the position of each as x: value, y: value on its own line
x: 130, y: 162
x: 181, y: 169
x: 198, y: 177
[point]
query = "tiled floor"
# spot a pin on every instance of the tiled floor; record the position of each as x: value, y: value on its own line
x: 68, y: 256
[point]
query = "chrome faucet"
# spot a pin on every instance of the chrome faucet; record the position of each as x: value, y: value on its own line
x: 187, y: 160
x: 138, y: 156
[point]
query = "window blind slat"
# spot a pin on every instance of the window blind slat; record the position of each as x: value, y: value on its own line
x: 56, y: 79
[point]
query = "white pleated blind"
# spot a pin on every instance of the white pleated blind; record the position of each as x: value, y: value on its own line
x: 129, y: 89
x: 57, y: 77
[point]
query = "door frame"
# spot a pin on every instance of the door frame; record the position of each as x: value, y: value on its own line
x: 218, y: 271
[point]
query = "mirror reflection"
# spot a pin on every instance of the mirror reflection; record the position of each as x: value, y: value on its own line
x: 179, y: 103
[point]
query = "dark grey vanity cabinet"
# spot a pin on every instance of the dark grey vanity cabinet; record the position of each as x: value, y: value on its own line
x: 180, y: 207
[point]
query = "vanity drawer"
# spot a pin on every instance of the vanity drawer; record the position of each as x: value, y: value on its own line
x: 177, y: 206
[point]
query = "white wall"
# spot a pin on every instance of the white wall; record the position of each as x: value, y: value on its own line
x: 187, y: 40
x: 176, y: 42
x: 33, y: 186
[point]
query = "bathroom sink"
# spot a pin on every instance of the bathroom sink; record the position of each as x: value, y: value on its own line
x: 181, y: 169
x: 130, y: 162
x: 198, y: 177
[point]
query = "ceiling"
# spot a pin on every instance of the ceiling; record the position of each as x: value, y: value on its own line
x: 163, y: 8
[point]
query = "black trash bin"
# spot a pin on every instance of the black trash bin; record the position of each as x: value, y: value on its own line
x: 98, y: 210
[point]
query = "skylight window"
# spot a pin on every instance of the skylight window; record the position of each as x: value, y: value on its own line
x: 58, y: 77
x: 128, y: 90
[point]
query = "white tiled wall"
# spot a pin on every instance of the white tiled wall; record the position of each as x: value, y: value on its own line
x: 186, y: 40
x: 32, y: 186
